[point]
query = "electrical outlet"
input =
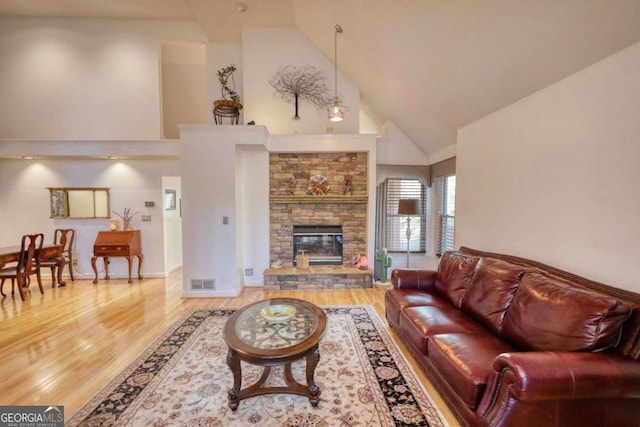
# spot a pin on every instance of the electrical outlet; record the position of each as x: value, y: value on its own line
x: 146, y: 217
x: 248, y: 271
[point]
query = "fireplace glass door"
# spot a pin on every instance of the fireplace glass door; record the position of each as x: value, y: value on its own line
x: 323, y: 243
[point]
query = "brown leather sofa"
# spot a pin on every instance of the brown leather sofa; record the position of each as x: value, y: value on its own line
x: 512, y: 342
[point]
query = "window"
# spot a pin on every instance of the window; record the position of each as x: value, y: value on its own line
x: 396, y: 225
x: 446, y: 208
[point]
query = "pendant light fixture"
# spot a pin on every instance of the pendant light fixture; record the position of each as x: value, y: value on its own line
x: 336, y: 109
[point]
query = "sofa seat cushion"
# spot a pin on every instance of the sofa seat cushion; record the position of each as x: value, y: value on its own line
x: 548, y: 314
x: 397, y: 299
x: 465, y: 361
x: 491, y: 291
x: 419, y: 323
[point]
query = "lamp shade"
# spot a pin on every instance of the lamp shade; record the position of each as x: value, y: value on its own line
x: 409, y: 207
x: 336, y: 111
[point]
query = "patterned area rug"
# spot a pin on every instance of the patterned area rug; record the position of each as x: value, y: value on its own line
x: 182, y: 379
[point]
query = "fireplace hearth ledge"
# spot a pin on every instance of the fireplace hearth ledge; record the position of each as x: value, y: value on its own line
x: 316, y: 269
x: 317, y: 277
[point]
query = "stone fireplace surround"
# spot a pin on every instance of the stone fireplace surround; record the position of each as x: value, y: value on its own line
x: 290, y: 204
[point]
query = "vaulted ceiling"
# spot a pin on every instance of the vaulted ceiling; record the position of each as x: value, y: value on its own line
x: 430, y: 66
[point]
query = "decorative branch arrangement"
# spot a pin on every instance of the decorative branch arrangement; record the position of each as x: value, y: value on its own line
x: 127, y: 215
x: 301, y: 83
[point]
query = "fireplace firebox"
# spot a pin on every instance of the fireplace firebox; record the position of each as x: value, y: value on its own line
x: 323, y: 243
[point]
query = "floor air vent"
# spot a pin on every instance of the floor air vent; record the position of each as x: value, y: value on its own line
x: 201, y: 284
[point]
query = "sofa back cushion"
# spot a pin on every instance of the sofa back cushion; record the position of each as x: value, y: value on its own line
x: 454, y: 274
x: 548, y: 314
x: 491, y: 291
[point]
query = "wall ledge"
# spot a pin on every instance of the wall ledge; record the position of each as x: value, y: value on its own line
x: 318, y: 199
x: 90, y: 149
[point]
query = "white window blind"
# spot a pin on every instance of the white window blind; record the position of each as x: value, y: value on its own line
x: 396, y: 230
x: 446, y: 207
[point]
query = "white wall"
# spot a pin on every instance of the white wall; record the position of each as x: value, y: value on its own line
x: 555, y: 176
x: 84, y: 78
x: 264, y: 51
x: 370, y: 122
x: 441, y: 155
x: 184, y: 86
x: 26, y: 209
x: 395, y: 148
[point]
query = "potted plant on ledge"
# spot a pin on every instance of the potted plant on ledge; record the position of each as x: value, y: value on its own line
x: 229, y: 105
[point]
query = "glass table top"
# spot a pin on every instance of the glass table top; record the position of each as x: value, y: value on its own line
x: 276, y: 324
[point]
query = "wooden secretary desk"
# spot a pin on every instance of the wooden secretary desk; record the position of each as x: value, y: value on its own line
x: 124, y: 244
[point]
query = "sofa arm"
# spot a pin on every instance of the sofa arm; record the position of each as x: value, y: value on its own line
x: 525, y: 380
x: 549, y: 375
x: 423, y: 280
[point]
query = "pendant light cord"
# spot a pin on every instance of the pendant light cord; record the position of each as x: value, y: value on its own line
x: 335, y: 60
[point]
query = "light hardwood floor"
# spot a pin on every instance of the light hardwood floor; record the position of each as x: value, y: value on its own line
x: 62, y: 347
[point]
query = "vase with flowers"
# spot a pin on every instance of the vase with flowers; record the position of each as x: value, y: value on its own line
x: 126, y: 218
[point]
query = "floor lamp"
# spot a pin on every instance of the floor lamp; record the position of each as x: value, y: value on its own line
x: 408, y: 207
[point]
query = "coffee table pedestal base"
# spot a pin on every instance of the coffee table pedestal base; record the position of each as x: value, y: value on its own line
x: 311, y: 390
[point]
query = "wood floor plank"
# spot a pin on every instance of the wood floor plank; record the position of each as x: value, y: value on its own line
x: 62, y: 347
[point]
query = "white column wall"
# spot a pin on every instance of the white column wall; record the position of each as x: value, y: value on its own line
x: 253, y: 199
x: 210, y: 185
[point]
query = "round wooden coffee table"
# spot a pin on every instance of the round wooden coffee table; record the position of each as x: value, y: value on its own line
x: 275, y: 340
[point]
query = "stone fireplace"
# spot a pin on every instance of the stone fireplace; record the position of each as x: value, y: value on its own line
x: 343, y: 204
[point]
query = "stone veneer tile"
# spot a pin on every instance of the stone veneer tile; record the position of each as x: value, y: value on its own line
x: 317, y: 281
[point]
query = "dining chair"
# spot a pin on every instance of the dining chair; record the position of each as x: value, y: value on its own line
x: 28, y: 264
x: 64, y: 237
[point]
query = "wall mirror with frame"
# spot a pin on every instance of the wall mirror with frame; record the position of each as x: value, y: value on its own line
x: 79, y: 202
